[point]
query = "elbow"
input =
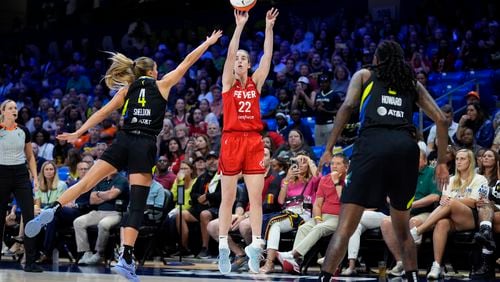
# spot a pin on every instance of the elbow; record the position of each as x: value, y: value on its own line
x: 441, y: 121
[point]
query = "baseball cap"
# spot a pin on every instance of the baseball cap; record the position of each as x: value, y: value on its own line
x: 212, y: 154
x: 280, y: 115
x: 303, y: 79
x: 472, y: 93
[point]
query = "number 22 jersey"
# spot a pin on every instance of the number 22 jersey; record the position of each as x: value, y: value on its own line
x: 241, y: 107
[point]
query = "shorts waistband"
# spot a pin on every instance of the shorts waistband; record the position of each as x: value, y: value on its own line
x: 241, y: 133
x: 140, y: 132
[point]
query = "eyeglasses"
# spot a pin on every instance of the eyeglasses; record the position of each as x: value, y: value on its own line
x: 163, y: 161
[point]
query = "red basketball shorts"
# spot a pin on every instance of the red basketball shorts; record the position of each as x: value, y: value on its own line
x: 241, y: 152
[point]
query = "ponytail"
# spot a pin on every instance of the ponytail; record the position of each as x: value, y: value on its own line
x: 123, y: 70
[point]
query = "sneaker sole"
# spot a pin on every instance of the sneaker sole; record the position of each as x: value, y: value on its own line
x: 34, y: 226
x: 250, y: 262
x: 125, y: 273
x: 224, y: 262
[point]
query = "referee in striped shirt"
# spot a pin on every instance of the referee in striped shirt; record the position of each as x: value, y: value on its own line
x: 16, y: 163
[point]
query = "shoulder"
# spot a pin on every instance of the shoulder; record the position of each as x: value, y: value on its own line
x: 479, y: 179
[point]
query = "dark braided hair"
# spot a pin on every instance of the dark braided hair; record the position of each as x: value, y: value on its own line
x: 393, y: 69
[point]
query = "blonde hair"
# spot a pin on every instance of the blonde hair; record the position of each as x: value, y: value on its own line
x: 43, y: 182
x: 123, y: 70
x: 2, y: 108
x: 457, y: 182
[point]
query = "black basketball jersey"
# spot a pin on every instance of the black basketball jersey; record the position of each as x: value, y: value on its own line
x: 330, y: 101
x: 144, y: 107
x: 382, y: 106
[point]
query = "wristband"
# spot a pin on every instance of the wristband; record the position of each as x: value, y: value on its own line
x: 318, y: 217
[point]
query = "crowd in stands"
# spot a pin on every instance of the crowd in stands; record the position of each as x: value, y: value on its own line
x: 58, y: 86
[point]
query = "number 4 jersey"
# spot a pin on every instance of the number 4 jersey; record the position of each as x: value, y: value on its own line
x: 242, y: 108
x: 144, y: 107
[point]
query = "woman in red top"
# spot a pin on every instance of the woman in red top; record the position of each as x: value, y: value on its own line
x: 242, y: 148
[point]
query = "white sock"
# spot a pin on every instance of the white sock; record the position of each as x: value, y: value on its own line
x: 257, y: 241
x: 485, y: 222
x: 223, y: 242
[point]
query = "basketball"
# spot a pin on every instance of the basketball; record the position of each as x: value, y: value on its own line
x: 243, y: 5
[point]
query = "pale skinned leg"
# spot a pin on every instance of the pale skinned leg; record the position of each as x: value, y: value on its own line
x: 186, y: 217
x: 255, y: 183
x: 213, y: 231
x: 438, y: 213
x: 460, y: 219
x: 440, y: 237
x: 246, y: 230
x: 97, y: 172
x: 228, y: 186
x: 205, y: 218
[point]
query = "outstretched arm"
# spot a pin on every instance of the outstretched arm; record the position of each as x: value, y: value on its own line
x: 227, y: 75
x: 98, y: 116
x: 344, y: 113
x: 260, y: 75
x: 173, y: 77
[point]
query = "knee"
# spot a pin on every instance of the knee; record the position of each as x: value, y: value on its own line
x: 103, y: 226
x: 415, y: 222
x: 205, y: 216
x: 386, y: 225
x: 79, y: 223
x: 212, y: 229
x: 442, y: 226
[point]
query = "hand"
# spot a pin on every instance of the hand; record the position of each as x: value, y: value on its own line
x: 35, y: 185
x: 216, y: 34
x: 293, y: 171
x: 325, y: 158
x: 335, y: 175
x: 463, y: 119
x: 271, y: 16
x: 442, y: 176
x: 202, y: 199
x: 236, y: 222
x: 240, y: 17
x: 70, y: 137
x: 12, y: 216
x: 445, y: 200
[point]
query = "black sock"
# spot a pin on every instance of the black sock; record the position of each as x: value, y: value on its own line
x: 56, y: 205
x: 128, y: 251
x: 325, y: 276
x: 411, y: 276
